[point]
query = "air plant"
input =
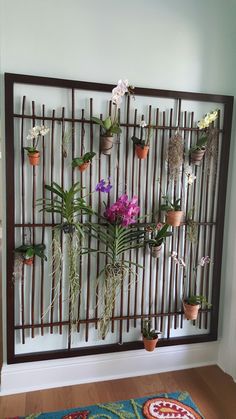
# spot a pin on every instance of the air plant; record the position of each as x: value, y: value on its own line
x: 192, y: 227
x: 119, y: 236
x: 69, y: 205
x: 175, y: 155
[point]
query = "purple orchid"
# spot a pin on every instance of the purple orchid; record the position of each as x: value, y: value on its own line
x: 103, y: 186
x: 123, y: 211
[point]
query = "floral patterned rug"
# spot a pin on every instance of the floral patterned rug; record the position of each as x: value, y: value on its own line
x: 165, y: 405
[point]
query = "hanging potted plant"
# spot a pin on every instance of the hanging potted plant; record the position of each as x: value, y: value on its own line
x: 150, y: 336
x: 174, y: 212
x: 207, y: 133
x: 35, y: 134
x: 110, y: 126
x: 69, y: 205
x: 142, y: 146
x: 29, y: 251
x: 83, y: 162
x: 119, y: 236
x: 158, y: 234
x: 193, y: 302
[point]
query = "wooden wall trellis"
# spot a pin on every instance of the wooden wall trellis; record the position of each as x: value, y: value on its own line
x: 126, y: 317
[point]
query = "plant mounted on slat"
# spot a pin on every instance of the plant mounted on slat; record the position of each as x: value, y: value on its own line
x: 29, y: 251
x: 69, y: 205
x: 118, y: 236
x: 35, y: 134
x: 175, y: 155
x: 142, y: 145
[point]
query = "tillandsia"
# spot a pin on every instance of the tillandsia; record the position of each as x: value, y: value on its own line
x: 192, y: 227
x: 35, y: 134
x: 175, y: 155
x: 118, y: 235
x: 110, y: 125
x: 69, y: 205
x: 190, y: 297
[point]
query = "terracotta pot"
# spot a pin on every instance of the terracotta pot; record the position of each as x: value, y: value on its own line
x: 29, y: 261
x: 83, y: 166
x: 156, y: 251
x: 34, y: 158
x: 141, y: 153
x: 197, y: 156
x: 174, y: 218
x: 106, y: 144
x: 149, y: 344
x: 191, y: 311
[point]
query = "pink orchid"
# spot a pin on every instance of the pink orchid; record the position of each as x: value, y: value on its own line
x: 123, y: 211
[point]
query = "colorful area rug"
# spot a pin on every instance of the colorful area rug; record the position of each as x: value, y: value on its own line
x: 164, y: 406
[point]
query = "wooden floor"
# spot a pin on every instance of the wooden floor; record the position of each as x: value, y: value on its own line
x: 213, y: 391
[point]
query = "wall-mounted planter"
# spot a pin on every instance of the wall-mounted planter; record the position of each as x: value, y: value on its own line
x: 34, y: 158
x: 191, y: 311
x: 156, y: 251
x: 141, y: 152
x: 28, y: 261
x: 106, y: 144
x: 174, y: 218
x: 197, y: 156
x: 83, y: 166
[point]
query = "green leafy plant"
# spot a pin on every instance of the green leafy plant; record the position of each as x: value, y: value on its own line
x: 109, y: 126
x: 140, y: 142
x: 171, y: 206
x: 197, y: 299
x: 159, y: 232
x: 87, y: 157
x: 30, y: 250
x: 70, y: 205
x: 148, y: 332
x: 117, y: 233
x: 201, y: 143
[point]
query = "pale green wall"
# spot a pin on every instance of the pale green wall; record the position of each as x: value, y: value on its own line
x: 171, y: 44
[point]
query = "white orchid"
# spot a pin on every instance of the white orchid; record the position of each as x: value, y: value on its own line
x: 143, y: 124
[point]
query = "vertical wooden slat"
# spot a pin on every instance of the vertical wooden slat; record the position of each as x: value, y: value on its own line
x: 23, y: 219
x: 165, y: 250
x: 169, y: 303
x: 53, y: 221
x: 33, y: 235
x: 82, y: 135
x: 132, y: 190
x: 63, y: 151
x: 43, y: 228
x: 154, y: 203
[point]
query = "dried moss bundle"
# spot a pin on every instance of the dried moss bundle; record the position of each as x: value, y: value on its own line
x: 175, y: 155
x: 212, y: 148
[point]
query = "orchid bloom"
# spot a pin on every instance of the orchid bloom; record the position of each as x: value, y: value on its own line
x: 103, y: 186
x: 123, y: 211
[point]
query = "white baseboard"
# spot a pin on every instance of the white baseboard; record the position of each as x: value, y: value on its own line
x: 31, y: 376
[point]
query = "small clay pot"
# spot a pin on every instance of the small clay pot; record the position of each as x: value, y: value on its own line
x: 29, y: 261
x: 106, y: 144
x: 34, y: 158
x: 174, y: 218
x: 141, y: 152
x: 156, y: 251
x: 197, y: 156
x: 191, y: 311
x: 83, y: 166
x: 149, y: 344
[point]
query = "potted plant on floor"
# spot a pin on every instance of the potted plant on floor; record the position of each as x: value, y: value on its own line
x: 83, y: 162
x: 174, y: 212
x: 142, y: 146
x: 117, y: 233
x: 193, y: 301
x: 29, y: 251
x: 150, y: 336
x: 207, y: 133
x: 158, y: 234
x: 35, y: 134
x: 110, y: 126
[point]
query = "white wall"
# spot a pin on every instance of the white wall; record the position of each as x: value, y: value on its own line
x: 181, y: 45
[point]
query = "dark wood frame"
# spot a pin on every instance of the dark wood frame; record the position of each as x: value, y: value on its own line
x: 227, y: 101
